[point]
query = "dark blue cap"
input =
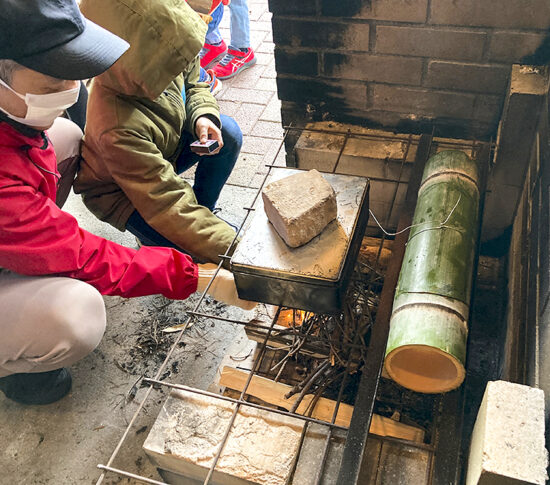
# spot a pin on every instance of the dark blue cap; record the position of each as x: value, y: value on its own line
x: 54, y: 38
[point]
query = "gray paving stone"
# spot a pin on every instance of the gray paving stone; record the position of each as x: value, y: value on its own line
x: 229, y: 108
x: 259, y: 145
x: 266, y: 17
x: 262, y: 58
x: 256, y: 39
x: 256, y: 10
x: 268, y: 129
x: 247, y: 116
x: 247, y: 95
x: 245, y: 169
x: 266, y: 84
x: 272, y: 111
x: 270, y: 71
x: 248, y: 78
x: 267, y: 47
x: 264, y: 26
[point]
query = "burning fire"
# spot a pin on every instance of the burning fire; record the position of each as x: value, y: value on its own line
x: 291, y: 318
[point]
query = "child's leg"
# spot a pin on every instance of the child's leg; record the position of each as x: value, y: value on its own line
x: 213, y: 35
x: 240, y: 24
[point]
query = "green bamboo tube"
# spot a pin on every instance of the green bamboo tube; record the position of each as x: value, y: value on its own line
x: 426, y: 348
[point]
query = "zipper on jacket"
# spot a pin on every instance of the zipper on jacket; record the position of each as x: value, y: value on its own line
x: 27, y: 149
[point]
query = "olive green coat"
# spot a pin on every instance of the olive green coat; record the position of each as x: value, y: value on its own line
x: 136, y: 113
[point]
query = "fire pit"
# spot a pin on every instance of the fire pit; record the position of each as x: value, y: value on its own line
x: 324, y: 369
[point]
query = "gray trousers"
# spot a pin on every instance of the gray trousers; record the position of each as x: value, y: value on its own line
x: 49, y: 322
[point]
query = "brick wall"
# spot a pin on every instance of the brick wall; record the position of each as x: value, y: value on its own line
x: 405, y: 64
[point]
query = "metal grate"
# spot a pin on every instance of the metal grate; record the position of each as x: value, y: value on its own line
x: 364, y: 404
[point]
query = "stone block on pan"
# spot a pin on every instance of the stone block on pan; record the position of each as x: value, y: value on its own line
x: 300, y: 206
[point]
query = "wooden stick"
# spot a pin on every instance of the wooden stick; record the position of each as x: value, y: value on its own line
x: 312, y: 349
x: 274, y: 393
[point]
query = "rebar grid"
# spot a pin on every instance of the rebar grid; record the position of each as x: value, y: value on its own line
x: 195, y: 314
x: 184, y: 328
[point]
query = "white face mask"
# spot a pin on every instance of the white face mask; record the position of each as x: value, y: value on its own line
x: 43, y: 109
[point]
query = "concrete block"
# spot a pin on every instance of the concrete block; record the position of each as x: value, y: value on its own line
x: 513, y: 46
x: 188, y: 431
x: 367, y: 67
x: 300, y: 206
x: 512, y: 14
x: 309, y: 461
x: 291, y: 7
x: 499, y: 209
x: 507, y: 446
x: 363, y: 156
x: 379, y: 158
x: 430, y: 42
x: 520, y: 118
x: 313, y: 33
x: 268, y: 129
x: 423, y: 102
x: 394, y: 10
x: 478, y: 78
x: 291, y: 61
x: 488, y: 108
x: 331, y: 95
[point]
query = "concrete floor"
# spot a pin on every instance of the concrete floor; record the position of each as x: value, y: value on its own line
x: 62, y: 443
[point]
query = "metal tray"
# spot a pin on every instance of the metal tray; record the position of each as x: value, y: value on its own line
x: 315, y: 276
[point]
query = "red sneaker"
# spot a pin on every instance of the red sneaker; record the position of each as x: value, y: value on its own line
x: 210, y: 54
x: 234, y: 62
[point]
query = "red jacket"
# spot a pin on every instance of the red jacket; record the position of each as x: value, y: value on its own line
x: 38, y: 238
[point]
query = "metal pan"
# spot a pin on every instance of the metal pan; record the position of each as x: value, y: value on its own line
x: 315, y: 276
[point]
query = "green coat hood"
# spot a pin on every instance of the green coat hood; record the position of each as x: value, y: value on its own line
x: 158, y: 52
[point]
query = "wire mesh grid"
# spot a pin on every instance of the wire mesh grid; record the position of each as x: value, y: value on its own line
x: 192, y: 316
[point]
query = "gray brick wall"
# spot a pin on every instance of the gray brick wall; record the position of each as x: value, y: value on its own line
x: 404, y: 64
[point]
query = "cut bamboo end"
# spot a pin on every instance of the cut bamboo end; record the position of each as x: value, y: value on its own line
x: 425, y: 369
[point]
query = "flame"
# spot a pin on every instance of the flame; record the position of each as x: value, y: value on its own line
x: 291, y: 318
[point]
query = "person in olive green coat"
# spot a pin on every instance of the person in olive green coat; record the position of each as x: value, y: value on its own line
x: 143, y: 113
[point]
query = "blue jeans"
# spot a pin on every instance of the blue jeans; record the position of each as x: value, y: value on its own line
x: 213, y: 35
x: 239, y: 24
x: 211, y: 174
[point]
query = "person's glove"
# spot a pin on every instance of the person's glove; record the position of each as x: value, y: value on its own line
x: 223, y: 287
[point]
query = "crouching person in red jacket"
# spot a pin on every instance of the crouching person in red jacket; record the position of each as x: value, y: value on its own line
x: 53, y: 272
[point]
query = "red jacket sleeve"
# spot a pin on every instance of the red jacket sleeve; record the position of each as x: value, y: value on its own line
x: 38, y: 238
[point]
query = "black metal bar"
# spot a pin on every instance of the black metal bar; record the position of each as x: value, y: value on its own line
x: 378, y: 179
x: 242, y: 402
x: 447, y: 465
x: 354, y: 450
x: 401, y: 168
x: 346, y: 138
x: 319, y: 476
x: 377, y: 136
x: 412, y: 444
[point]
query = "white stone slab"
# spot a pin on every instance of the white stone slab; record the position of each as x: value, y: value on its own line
x: 186, y: 436
x: 507, y: 445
